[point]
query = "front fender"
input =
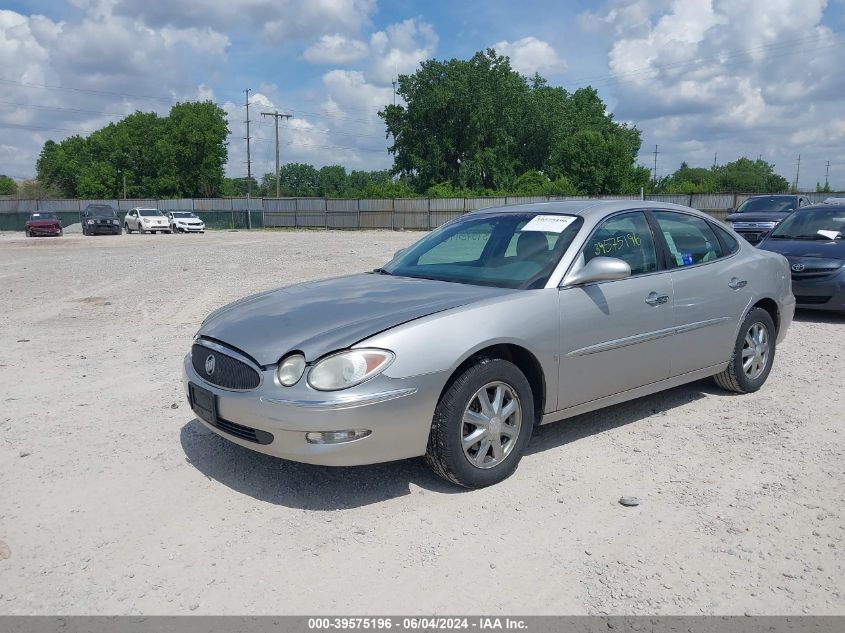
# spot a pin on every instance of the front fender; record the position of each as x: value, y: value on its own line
x: 442, y: 341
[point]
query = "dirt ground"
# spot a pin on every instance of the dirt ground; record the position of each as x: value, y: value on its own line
x: 115, y: 500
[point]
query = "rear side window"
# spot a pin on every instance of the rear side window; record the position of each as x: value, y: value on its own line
x: 627, y: 237
x: 690, y: 239
x: 727, y: 239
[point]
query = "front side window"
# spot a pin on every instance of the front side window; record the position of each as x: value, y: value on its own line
x: 508, y: 250
x: 627, y: 237
x: 690, y: 239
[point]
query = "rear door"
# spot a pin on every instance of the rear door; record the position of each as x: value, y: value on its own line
x: 710, y: 286
x: 616, y: 335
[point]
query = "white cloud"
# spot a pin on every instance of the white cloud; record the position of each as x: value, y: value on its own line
x: 400, y: 48
x: 738, y: 78
x: 530, y: 55
x: 335, y: 49
x: 276, y: 20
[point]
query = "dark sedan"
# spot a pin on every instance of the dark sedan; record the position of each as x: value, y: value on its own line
x: 43, y: 223
x: 758, y: 215
x: 812, y: 240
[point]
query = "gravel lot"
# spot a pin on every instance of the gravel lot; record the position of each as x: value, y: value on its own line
x: 115, y: 500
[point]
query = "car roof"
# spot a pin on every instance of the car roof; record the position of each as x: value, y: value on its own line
x: 589, y: 209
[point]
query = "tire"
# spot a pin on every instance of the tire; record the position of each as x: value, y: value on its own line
x: 126, y: 227
x: 141, y: 231
x: 739, y: 379
x: 445, y: 454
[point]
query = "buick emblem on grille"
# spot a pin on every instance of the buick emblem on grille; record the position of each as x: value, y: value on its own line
x: 797, y: 267
x: 209, y: 364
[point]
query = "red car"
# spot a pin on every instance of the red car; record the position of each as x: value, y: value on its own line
x: 43, y: 223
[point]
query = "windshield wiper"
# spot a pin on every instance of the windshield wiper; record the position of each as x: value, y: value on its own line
x: 381, y: 271
x: 814, y: 236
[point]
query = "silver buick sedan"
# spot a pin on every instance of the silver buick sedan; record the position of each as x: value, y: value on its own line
x: 496, y: 322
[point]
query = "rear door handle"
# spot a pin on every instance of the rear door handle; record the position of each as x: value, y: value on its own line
x: 654, y: 299
x: 736, y: 284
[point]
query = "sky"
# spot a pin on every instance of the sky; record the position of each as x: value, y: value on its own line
x: 701, y: 79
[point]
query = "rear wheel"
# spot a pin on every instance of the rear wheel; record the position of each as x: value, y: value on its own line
x: 126, y: 226
x: 481, y: 425
x: 754, y: 353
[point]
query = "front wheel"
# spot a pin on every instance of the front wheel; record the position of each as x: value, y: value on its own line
x: 481, y: 425
x: 754, y: 353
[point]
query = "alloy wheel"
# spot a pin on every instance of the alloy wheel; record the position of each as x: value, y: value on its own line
x: 755, y: 351
x: 490, y: 425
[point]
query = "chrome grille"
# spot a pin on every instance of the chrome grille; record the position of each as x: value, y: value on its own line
x: 225, y: 371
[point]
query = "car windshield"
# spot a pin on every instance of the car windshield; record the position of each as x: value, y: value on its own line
x: 43, y: 216
x: 812, y: 224
x: 101, y: 211
x: 183, y: 214
x: 508, y: 250
x: 149, y: 212
x: 773, y: 204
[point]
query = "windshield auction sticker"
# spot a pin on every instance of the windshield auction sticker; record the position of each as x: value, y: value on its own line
x: 549, y: 223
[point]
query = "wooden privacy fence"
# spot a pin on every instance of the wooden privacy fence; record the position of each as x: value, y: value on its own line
x: 331, y: 213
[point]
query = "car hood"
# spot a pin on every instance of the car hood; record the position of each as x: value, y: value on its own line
x: 760, y: 216
x: 318, y: 317
x: 794, y: 250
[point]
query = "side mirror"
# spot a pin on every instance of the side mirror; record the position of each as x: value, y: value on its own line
x: 399, y: 252
x: 729, y: 211
x: 600, y: 269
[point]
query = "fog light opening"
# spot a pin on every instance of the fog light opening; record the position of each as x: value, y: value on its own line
x: 336, y: 437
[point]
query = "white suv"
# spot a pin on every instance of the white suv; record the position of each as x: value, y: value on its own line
x: 143, y: 220
x: 185, y: 222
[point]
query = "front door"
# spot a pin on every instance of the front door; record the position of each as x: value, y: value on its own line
x: 616, y: 335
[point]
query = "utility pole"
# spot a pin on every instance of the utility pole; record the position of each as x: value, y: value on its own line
x: 275, y: 114
x: 797, y: 172
x: 826, y: 174
x: 715, y: 155
x: 124, y: 185
x: 248, y: 160
x: 654, y: 175
x: 393, y: 81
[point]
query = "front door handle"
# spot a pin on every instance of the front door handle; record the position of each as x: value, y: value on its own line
x: 736, y: 284
x: 654, y: 299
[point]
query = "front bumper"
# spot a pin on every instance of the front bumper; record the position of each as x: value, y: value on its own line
x: 45, y: 231
x: 825, y: 293
x: 107, y: 229
x: 397, y: 412
x: 196, y: 228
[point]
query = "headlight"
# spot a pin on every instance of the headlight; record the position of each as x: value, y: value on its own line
x: 89, y: 221
x: 114, y: 222
x: 347, y: 369
x: 290, y: 370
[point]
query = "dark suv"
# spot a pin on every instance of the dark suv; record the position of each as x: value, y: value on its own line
x: 757, y: 215
x: 100, y: 218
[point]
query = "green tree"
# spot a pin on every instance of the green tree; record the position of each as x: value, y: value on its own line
x: 823, y: 188
x: 331, y: 181
x: 182, y: 154
x: 299, y: 180
x: 8, y: 187
x: 750, y: 176
x: 477, y: 124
